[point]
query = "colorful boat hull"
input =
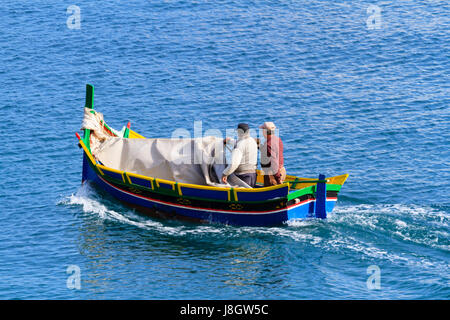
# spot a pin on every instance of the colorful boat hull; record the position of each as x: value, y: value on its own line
x: 296, y: 198
x: 147, y: 203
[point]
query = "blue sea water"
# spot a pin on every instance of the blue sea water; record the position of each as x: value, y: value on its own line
x: 353, y: 89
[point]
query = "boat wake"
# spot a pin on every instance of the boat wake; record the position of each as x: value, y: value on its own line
x: 386, y: 232
x: 91, y: 203
x: 422, y: 225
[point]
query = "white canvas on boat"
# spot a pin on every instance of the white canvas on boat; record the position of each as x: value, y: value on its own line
x: 185, y: 160
x: 195, y: 161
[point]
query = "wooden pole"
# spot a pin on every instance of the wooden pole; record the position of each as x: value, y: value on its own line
x: 321, y: 198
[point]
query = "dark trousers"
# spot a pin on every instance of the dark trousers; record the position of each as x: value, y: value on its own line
x: 273, y: 180
x: 248, y: 178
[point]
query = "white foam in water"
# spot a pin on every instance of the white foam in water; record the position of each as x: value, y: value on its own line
x: 423, y: 225
x: 85, y: 197
x: 398, y: 209
x: 88, y: 204
x: 394, y: 220
x: 330, y: 235
x: 400, y: 223
x: 299, y: 223
x: 294, y: 234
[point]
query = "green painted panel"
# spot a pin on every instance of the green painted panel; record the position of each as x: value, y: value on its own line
x: 301, y: 192
x: 89, y: 96
x: 312, y: 190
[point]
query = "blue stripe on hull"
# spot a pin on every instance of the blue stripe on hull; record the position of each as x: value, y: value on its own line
x: 307, y: 210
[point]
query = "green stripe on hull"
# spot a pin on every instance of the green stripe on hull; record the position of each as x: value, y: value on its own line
x: 89, y: 103
x: 312, y: 190
x: 89, y: 97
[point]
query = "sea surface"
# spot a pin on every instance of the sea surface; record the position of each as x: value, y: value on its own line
x: 355, y: 87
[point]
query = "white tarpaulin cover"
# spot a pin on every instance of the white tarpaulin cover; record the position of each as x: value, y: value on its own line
x: 195, y: 161
x: 92, y: 121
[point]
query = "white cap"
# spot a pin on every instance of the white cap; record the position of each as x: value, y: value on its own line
x: 268, y: 125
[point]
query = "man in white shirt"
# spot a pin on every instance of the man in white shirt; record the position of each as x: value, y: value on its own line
x: 244, y: 157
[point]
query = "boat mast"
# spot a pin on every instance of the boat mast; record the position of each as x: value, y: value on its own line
x: 90, y: 105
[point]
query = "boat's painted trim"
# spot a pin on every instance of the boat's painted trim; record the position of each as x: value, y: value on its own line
x: 209, y: 210
x: 303, y: 209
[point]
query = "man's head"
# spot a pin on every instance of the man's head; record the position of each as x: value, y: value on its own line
x: 268, y: 128
x: 243, y: 126
x: 242, y: 129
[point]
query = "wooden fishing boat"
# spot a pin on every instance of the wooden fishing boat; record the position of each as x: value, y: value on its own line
x: 296, y: 198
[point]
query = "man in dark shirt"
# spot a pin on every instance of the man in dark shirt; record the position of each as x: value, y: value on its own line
x: 272, y: 161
